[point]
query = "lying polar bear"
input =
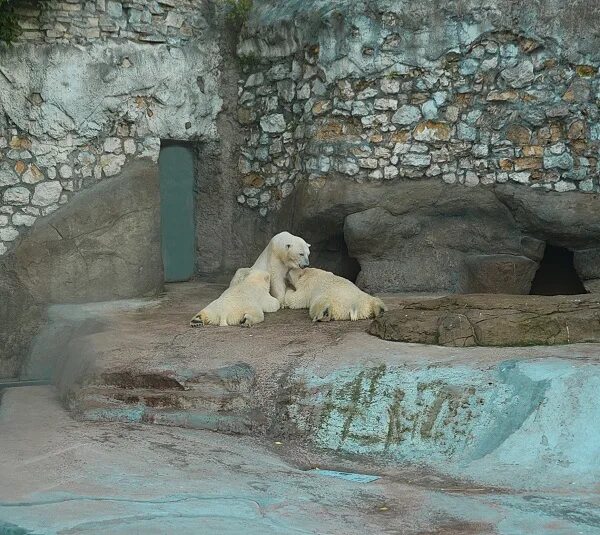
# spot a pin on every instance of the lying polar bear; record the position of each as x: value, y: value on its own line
x: 284, y: 252
x: 243, y: 304
x: 329, y: 297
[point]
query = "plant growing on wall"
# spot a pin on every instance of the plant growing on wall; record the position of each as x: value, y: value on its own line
x: 9, y: 20
x: 238, y: 11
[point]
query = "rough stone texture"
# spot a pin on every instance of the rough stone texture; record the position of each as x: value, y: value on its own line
x: 494, y: 97
x: 592, y: 285
x: 421, y: 236
x: 432, y: 248
x: 499, y: 96
x: 499, y: 320
x: 476, y: 410
x: 76, y: 106
x: 568, y: 220
x: 104, y: 245
x: 169, y: 21
x: 500, y: 274
x: 109, y: 483
x: 20, y: 318
x: 587, y: 264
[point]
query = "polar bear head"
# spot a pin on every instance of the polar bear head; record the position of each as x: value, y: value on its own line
x: 292, y: 250
x: 258, y: 278
x: 305, y: 278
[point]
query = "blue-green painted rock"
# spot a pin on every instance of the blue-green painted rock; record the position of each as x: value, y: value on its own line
x: 520, y: 422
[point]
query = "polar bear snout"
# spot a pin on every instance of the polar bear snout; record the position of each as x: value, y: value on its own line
x: 304, y: 262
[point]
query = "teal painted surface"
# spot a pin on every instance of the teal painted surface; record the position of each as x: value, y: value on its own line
x: 348, y: 476
x: 176, y: 164
x: 522, y: 424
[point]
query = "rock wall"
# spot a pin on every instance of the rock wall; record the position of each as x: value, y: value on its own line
x: 73, y: 21
x: 104, y: 245
x: 86, y: 95
x: 463, y: 93
x: 92, y: 86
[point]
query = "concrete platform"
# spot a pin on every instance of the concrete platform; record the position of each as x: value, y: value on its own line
x: 487, y: 440
x: 60, y: 476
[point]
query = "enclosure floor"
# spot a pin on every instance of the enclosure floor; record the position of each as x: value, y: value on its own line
x: 63, y: 476
x: 238, y: 436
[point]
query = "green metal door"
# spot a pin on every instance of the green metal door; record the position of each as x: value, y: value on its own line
x: 176, y: 164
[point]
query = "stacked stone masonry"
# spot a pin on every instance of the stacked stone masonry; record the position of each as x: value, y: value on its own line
x: 50, y: 158
x: 506, y: 109
x: 36, y: 178
x: 80, y: 21
x: 498, y: 108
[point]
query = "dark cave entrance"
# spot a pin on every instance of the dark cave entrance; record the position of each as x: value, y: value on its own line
x: 332, y: 255
x: 556, y: 274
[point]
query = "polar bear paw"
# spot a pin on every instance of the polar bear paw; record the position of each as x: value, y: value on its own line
x: 196, y: 321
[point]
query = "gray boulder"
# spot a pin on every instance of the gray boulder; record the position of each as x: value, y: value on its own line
x: 20, y: 319
x: 424, y: 236
x: 105, y: 244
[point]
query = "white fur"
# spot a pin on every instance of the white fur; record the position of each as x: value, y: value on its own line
x: 242, y: 304
x: 284, y: 252
x: 328, y: 296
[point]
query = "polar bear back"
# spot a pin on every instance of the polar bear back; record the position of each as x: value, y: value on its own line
x: 323, y: 292
x: 244, y: 302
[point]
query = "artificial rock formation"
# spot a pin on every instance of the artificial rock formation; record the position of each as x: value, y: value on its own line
x: 104, y: 245
x: 498, y: 320
x: 377, y: 92
x: 427, y: 104
x: 91, y: 87
x: 388, y: 137
x: 420, y: 236
x: 20, y: 318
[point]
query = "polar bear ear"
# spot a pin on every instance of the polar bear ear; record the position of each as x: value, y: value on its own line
x: 308, y: 245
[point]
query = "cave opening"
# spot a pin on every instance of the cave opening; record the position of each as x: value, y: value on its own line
x: 556, y: 274
x: 332, y: 255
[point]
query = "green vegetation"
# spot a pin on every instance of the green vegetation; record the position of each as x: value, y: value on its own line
x: 238, y: 12
x: 9, y: 25
x: 9, y: 20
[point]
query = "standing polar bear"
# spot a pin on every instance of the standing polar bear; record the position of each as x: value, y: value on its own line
x: 243, y: 304
x: 329, y: 297
x: 284, y: 252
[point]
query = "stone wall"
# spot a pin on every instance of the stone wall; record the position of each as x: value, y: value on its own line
x: 75, y: 21
x: 91, y: 86
x: 370, y: 92
x: 86, y: 95
x: 374, y: 95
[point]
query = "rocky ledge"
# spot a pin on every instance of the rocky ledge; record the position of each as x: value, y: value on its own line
x: 493, y: 320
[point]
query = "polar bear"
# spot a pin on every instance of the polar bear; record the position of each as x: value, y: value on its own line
x: 329, y: 297
x: 239, y: 276
x: 284, y: 252
x: 243, y: 304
